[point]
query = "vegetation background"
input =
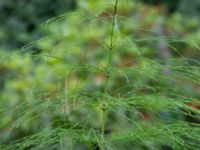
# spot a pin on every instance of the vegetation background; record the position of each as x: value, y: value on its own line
x: 53, y: 73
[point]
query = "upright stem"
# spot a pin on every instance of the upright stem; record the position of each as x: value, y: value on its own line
x: 102, y: 146
x: 108, y: 75
x: 111, y: 44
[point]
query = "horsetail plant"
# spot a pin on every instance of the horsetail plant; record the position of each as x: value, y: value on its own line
x: 97, y: 90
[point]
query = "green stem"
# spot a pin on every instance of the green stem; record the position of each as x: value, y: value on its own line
x: 108, y: 75
x: 103, y: 129
x: 111, y: 44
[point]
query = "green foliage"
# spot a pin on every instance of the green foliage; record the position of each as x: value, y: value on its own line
x: 171, y: 4
x: 20, y: 19
x: 101, y: 81
x: 186, y: 7
x: 190, y: 8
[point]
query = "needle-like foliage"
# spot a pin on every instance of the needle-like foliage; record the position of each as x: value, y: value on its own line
x: 93, y: 87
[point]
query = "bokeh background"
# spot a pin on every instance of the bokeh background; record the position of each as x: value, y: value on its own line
x: 34, y: 31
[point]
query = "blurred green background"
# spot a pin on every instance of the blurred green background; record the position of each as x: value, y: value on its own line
x: 26, y: 31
